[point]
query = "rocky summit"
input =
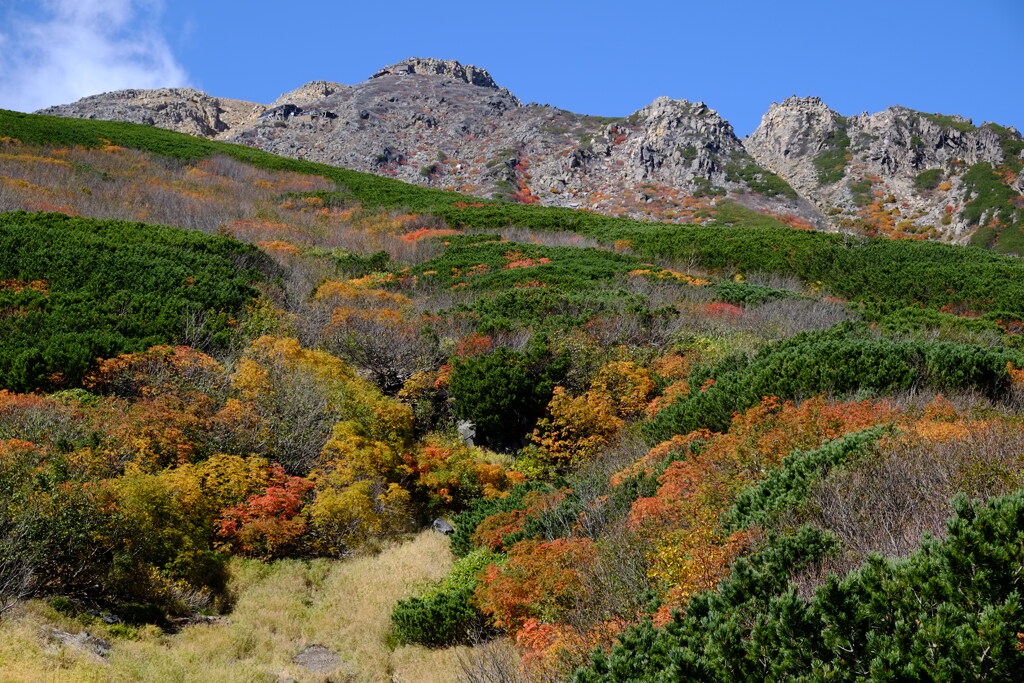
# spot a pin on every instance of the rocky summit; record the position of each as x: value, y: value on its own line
x: 444, y: 124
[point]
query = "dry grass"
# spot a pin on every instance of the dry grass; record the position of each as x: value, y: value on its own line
x: 282, y: 608
x: 215, y: 195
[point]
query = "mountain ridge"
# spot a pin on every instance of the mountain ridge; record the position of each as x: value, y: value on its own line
x: 444, y: 124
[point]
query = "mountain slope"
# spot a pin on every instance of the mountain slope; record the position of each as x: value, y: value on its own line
x: 439, y: 123
x: 442, y: 124
x: 795, y: 377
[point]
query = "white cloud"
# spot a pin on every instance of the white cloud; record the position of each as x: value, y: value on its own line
x: 83, y: 47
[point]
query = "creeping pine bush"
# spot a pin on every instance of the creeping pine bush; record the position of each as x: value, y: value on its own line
x: 444, y: 615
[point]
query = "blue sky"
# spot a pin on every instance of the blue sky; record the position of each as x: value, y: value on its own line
x: 606, y: 58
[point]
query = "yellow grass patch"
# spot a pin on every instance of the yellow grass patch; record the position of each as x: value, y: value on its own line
x: 282, y: 608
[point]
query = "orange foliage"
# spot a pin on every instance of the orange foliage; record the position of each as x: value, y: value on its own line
x: 718, y: 309
x: 1016, y: 375
x: 492, y: 530
x: 279, y: 247
x: 678, y: 445
x: 268, y: 524
x: 628, y: 386
x: 425, y: 233
x: 682, y: 519
x: 21, y: 285
x: 473, y: 345
x: 666, y: 274
x: 515, y: 259
x: 159, y: 369
x: 539, y: 580
x: 453, y: 473
x: 576, y: 429
x: 359, y: 294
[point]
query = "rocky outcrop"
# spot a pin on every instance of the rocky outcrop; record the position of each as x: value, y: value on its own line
x: 898, y: 172
x: 182, y: 109
x: 447, y: 68
x: 309, y: 93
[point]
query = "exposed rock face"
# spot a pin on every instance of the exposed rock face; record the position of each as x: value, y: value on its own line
x: 318, y: 659
x: 309, y: 93
x: 182, y: 109
x: 83, y: 641
x: 898, y: 172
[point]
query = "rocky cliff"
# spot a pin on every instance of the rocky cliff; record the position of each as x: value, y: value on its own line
x: 899, y: 172
x: 450, y: 125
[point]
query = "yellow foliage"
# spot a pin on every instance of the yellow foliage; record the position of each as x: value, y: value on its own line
x: 360, y: 295
x: 231, y: 479
x: 941, y: 430
x: 690, y: 561
x: 629, y: 386
x: 350, y: 455
x: 1016, y: 375
x: 251, y: 380
x: 346, y: 516
x: 285, y: 354
x: 577, y: 428
x: 419, y: 383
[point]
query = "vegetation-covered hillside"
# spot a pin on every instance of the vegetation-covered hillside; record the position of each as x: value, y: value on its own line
x: 726, y: 450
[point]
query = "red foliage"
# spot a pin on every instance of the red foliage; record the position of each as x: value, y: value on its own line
x: 473, y: 345
x: 268, y: 524
x: 718, y: 309
x: 682, y: 520
x: 515, y: 259
x: 492, y: 530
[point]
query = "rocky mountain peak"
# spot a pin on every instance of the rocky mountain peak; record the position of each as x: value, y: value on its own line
x: 667, y: 108
x: 448, y: 68
x: 897, y: 172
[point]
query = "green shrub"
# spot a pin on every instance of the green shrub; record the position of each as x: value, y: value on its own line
x: 64, y: 606
x: 743, y: 294
x: 111, y: 287
x: 445, y: 614
x: 831, y: 161
x: 947, y: 121
x: 788, y: 485
x: 928, y: 180
x: 504, y: 393
x: 836, y: 361
x: 759, y: 180
x: 466, y: 522
x: 950, y: 611
x: 989, y: 198
x: 138, y: 614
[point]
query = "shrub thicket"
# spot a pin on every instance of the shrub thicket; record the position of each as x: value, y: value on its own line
x: 76, y: 289
x: 951, y: 610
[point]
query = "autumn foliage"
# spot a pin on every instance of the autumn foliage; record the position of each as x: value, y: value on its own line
x: 270, y: 524
x: 691, y: 553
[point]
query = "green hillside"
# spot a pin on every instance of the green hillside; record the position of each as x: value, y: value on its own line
x: 725, y: 451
